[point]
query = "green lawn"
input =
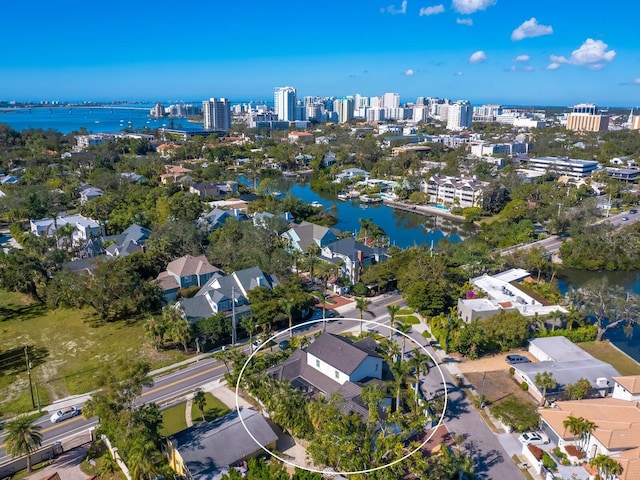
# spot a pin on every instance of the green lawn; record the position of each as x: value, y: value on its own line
x: 213, y: 409
x: 607, y: 353
x: 408, y: 319
x: 173, y: 419
x: 404, y: 311
x: 67, y: 348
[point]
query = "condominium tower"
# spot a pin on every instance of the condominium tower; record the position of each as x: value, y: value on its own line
x: 459, y: 115
x: 284, y: 101
x: 217, y: 114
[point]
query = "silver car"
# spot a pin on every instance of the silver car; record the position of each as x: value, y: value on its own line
x: 64, y: 414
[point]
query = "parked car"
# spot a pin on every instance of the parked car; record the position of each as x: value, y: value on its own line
x: 533, y: 438
x: 284, y: 344
x: 255, y: 346
x: 624, y: 219
x: 633, y: 211
x: 64, y: 414
x: 514, y: 359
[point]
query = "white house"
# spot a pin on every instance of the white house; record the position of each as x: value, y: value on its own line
x: 627, y: 388
x: 84, y: 228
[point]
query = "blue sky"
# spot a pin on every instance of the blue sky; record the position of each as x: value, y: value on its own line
x: 539, y: 52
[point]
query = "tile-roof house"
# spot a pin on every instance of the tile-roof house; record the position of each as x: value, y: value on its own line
x: 627, y: 388
x: 354, y: 256
x: 224, y: 293
x: 334, y: 364
x: 130, y: 241
x: 185, y: 272
x: 617, y: 431
x: 204, y: 450
x: 302, y: 236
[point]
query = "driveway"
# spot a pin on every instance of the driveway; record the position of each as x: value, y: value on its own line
x: 66, y: 465
x: 491, y: 461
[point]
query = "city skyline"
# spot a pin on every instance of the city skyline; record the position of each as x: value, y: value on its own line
x: 486, y: 51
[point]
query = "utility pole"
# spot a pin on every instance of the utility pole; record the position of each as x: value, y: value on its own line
x: 26, y: 358
x: 233, y: 316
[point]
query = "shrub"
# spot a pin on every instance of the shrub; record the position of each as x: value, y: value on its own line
x: 512, y: 370
x: 520, y: 415
x: 548, y: 462
x: 536, y: 451
x: 565, y: 462
x: 586, y: 333
x: 559, y: 454
x: 524, y: 386
x: 573, y: 451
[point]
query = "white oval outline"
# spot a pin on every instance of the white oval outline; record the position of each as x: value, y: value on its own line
x: 369, y: 470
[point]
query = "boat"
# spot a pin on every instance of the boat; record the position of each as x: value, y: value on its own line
x: 317, y: 204
x: 344, y: 196
x: 370, y: 199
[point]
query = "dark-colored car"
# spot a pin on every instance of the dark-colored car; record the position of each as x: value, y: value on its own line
x: 515, y: 359
x: 284, y: 344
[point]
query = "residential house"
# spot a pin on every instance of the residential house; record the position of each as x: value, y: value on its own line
x: 302, y: 236
x: 84, y: 228
x: 185, y: 272
x: 568, y: 363
x: 8, y: 179
x: 130, y: 241
x: 89, y: 193
x: 627, y: 388
x: 132, y: 177
x: 352, y: 256
x: 213, y: 190
x: 502, y: 294
x: 226, y: 294
x: 351, y: 173
x: 329, y: 159
x: 616, y: 433
x: 173, y: 173
x: 334, y: 364
x: 301, y: 137
x: 206, y: 450
x: 261, y: 219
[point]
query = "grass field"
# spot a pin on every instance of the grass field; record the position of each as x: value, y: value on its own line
x: 213, y: 409
x: 608, y: 353
x: 67, y: 348
x: 173, y: 419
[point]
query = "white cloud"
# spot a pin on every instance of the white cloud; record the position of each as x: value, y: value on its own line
x: 478, y: 57
x: 522, y: 58
x: 459, y: 74
x: 529, y: 68
x: 529, y: 29
x: 409, y: 72
x: 469, y: 6
x: 432, y: 10
x: 464, y: 21
x: 592, y: 53
x: 394, y: 11
x: 553, y: 66
x: 636, y: 81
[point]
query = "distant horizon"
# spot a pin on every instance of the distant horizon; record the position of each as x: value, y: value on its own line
x: 258, y: 101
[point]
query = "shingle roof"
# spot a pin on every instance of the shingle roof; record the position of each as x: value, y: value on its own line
x: 189, y: 265
x: 338, y: 352
x: 209, y: 446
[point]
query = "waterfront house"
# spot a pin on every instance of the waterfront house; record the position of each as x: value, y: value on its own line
x: 302, y: 236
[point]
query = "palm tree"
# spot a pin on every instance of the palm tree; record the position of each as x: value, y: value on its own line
x: 108, y: 467
x: 545, y: 380
x: 200, y: 400
x: 420, y: 362
x: 288, y: 305
x: 249, y: 324
x: 587, y: 429
x: 312, y: 258
x: 400, y: 372
x: 23, y: 437
x: 393, y: 310
x: 573, y: 424
x: 143, y: 459
x: 608, y: 468
x: 404, y: 329
x: 181, y: 332
x: 361, y: 304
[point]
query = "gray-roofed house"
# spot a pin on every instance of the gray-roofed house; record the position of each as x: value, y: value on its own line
x: 334, y: 364
x: 262, y: 219
x: 353, y: 255
x: 89, y: 193
x: 185, y: 272
x: 568, y: 363
x: 130, y: 241
x: 203, y: 451
x: 226, y: 294
x: 302, y: 236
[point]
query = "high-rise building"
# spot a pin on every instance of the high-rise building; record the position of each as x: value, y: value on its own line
x: 344, y: 108
x: 586, y: 117
x: 284, y: 101
x: 217, y: 114
x: 459, y: 115
x: 390, y: 100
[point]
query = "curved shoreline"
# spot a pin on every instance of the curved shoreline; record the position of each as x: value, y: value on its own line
x: 423, y: 210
